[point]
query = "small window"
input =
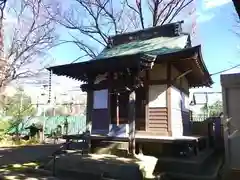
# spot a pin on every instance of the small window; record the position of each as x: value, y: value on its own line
x: 100, y: 99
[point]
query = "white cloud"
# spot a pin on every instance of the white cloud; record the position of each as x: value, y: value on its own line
x: 204, y: 17
x: 208, y: 4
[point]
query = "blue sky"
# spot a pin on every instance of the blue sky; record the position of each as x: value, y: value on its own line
x: 217, y: 26
x: 216, y: 23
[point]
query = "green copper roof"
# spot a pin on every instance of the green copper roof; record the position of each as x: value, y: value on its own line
x: 154, y: 46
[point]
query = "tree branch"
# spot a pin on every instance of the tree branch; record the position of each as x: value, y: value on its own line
x: 97, y: 20
x: 182, y: 6
x: 33, y: 35
x: 138, y: 10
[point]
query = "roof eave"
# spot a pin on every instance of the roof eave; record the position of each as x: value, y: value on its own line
x: 237, y: 6
x: 210, y: 81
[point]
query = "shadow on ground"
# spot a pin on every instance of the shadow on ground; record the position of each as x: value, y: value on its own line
x: 23, y: 172
x: 24, y: 154
x: 103, y: 165
x: 20, y: 162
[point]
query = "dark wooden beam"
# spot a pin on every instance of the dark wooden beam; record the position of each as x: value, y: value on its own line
x: 118, y: 84
x: 167, y: 30
x: 158, y: 82
x: 129, y: 81
x: 183, y: 74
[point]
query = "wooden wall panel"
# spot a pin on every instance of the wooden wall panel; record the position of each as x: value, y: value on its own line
x: 157, y: 96
x: 184, y: 84
x: 158, y: 72
x: 174, y: 74
x: 140, y: 124
x: 100, y: 119
x: 186, y: 122
x: 157, y: 120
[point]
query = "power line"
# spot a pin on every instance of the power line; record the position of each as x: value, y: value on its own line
x: 219, y: 72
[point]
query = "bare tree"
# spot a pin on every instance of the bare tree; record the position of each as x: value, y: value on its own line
x: 32, y: 34
x: 91, y: 22
x: 2, y: 7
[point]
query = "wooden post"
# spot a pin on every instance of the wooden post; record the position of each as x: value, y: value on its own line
x: 89, y: 107
x: 110, y: 91
x: 117, y: 109
x: 146, y: 85
x: 131, y: 113
x: 168, y: 98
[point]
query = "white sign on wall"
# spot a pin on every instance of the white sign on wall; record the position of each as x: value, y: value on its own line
x: 157, y: 96
x: 100, y: 99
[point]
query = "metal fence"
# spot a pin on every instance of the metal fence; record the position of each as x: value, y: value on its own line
x: 199, y: 118
x: 76, y: 124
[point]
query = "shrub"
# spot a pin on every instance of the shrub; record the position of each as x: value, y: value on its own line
x: 4, y: 125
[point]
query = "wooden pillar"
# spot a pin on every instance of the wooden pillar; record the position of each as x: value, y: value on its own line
x: 131, y: 113
x: 117, y: 109
x: 89, y: 107
x: 168, y: 98
x: 147, y: 99
x: 110, y: 91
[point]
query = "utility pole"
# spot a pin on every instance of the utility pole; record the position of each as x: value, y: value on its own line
x: 21, y: 101
x: 207, y: 109
x: 44, y: 115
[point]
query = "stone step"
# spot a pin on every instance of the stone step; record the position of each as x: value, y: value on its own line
x: 96, y: 166
x: 184, y: 164
x: 112, y: 144
x: 113, y: 147
x: 209, y: 171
